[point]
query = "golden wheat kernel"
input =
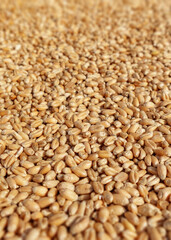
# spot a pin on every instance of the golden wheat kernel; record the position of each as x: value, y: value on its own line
x: 104, y: 154
x: 80, y: 172
x: 103, y: 214
x: 66, y: 185
x: 50, y: 183
x: 79, y: 225
x: 68, y: 194
x: 162, y: 171
x: 154, y: 233
x: 45, y: 202
x: 38, y: 178
x: 62, y: 232
x: 40, y: 190
x: 79, y: 147
x: 61, y: 200
x: 54, y: 208
x: 86, y: 164
x: 103, y: 235
x: 83, y: 189
x: 98, y: 187
x: 33, y: 234
x: 121, y: 177
x: 34, y: 170
x: 58, y: 219
x: 31, y: 205
x: 8, y: 211
x: 70, y: 177
x: 12, y: 194
x: 52, y: 192
x: 120, y: 199
x: 13, y: 222
x: 19, y: 197
x: 36, y: 215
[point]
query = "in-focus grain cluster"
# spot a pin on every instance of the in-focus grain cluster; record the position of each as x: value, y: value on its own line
x: 85, y: 120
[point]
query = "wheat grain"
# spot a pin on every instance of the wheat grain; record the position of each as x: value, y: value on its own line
x: 85, y: 120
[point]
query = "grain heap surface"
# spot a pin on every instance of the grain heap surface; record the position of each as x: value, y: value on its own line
x: 85, y: 120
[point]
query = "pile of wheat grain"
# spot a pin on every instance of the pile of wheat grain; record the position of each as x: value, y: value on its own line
x: 85, y: 120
